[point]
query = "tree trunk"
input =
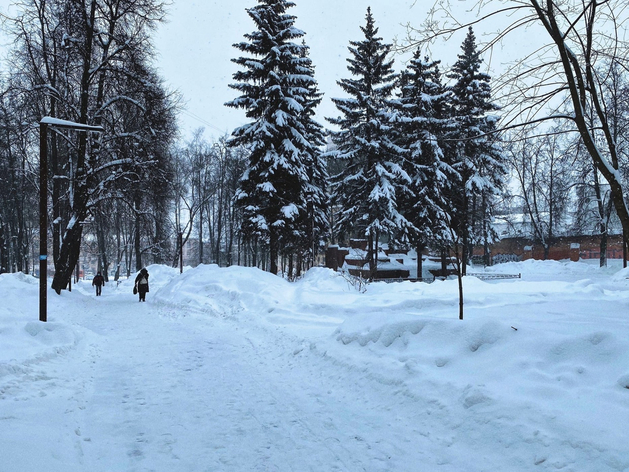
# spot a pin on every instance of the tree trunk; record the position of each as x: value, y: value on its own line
x: 370, y: 255
x: 103, y: 262
x: 459, y: 274
x: 464, y: 255
x: 604, y: 215
x: 460, y: 278
x: 375, y: 258
x: 420, y: 260
x: 4, y: 253
x: 290, y: 266
x: 486, y: 249
x: 71, y: 244
x: 219, y: 218
x: 230, y: 245
x: 159, y: 243
x: 300, y: 262
x: 68, y: 256
x: 136, y: 242
x: 273, y: 251
x: 201, y: 236
x: 624, y: 249
x: 119, y: 253
x: 465, y: 230
x: 603, y: 250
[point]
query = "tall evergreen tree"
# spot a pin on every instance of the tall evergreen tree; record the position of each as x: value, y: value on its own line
x: 367, y: 189
x: 317, y: 224
x: 420, y: 121
x: 474, y: 153
x: 277, y: 84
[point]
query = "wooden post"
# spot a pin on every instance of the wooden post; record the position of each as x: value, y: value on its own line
x: 624, y: 249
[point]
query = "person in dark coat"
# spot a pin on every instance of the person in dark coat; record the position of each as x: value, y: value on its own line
x: 98, y: 282
x: 142, y: 284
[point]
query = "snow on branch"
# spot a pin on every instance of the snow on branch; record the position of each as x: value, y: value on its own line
x: 118, y: 98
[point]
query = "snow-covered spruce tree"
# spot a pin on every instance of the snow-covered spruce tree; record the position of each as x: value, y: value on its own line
x: 367, y: 189
x: 419, y: 125
x: 277, y: 84
x: 317, y: 221
x: 473, y: 151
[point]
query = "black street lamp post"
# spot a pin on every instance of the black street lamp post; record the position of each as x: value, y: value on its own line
x: 180, y: 241
x: 44, y: 124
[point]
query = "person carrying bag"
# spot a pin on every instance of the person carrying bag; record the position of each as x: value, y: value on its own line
x: 141, y: 286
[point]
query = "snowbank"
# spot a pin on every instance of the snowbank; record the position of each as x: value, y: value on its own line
x: 23, y: 339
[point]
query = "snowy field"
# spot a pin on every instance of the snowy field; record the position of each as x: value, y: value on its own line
x: 237, y: 370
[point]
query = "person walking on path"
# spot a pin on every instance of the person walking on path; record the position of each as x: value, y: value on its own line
x: 98, y: 282
x: 142, y: 284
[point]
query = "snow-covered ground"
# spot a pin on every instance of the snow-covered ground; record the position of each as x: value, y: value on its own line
x: 233, y: 369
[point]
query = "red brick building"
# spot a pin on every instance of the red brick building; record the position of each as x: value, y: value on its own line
x: 569, y: 247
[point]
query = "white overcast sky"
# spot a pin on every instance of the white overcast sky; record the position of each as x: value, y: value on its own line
x: 194, y: 49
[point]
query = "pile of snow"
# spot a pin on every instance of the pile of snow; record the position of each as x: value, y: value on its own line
x: 520, y: 338
x: 22, y: 337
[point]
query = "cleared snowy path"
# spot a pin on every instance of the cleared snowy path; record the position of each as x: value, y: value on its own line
x: 142, y: 391
x: 189, y: 397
